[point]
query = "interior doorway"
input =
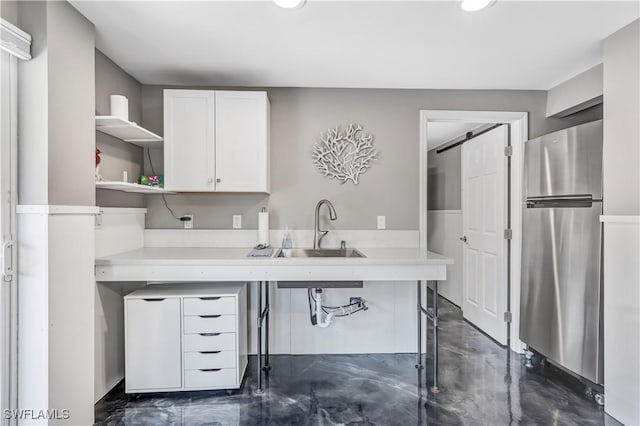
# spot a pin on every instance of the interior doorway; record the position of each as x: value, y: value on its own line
x: 469, y: 181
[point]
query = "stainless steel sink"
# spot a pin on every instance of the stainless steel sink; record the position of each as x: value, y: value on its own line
x: 349, y: 252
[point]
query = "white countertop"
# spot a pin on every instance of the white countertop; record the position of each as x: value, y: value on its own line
x: 232, y: 264
x: 238, y: 256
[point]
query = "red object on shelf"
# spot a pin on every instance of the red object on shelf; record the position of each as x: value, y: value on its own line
x: 98, y: 152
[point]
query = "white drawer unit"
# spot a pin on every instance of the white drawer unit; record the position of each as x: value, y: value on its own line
x: 152, y: 344
x: 209, y: 306
x: 210, y: 324
x: 185, y: 337
x: 210, y: 359
x: 215, y: 378
x: 203, y: 342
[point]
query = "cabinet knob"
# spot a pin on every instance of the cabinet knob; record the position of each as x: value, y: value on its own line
x: 218, y: 180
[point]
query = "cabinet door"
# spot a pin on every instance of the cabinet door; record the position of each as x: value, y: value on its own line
x: 152, y: 344
x: 242, y: 141
x: 189, y: 140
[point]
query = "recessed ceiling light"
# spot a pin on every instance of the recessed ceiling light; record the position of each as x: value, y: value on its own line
x: 475, y: 5
x: 290, y: 4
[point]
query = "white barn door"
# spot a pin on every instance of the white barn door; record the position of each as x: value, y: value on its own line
x: 484, y: 219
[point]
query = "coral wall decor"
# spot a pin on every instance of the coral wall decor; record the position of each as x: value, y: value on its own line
x: 344, y: 154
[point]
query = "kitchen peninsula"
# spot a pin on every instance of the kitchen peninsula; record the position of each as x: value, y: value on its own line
x: 191, y: 264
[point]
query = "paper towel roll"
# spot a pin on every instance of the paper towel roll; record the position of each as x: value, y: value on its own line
x: 263, y: 228
x: 120, y: 106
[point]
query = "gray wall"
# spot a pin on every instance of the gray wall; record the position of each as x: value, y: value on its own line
x: 117, y: 156
x: 71, y: 42
x: 9, y: 11
x: 298, y: 116
x: 621, y: 171
x: 56, y: 98
x: 576, y: 94
x: 33, y: 108
x: 444, y: 191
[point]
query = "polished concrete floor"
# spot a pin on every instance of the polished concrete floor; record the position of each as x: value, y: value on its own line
x: 481, y: 384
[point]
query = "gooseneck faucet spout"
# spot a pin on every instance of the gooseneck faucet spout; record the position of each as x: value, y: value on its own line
x: 319, y: 234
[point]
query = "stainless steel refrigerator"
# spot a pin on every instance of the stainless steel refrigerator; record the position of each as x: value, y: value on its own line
x: 561, y: 295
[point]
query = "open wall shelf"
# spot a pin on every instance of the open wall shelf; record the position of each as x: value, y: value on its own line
x: 130, y: 187
x: 127, y: 131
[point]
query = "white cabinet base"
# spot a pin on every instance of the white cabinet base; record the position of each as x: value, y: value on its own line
x: 185, y: 337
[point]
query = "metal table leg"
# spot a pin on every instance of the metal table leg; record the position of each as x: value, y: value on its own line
x: 419, y: 314
x: 435, y: 388
x: 259, y: 389
x: 266, y: 327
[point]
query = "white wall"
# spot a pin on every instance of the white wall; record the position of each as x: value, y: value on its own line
x: 118, y: 230
x: 71, y: 313
x: 621, y: 156
x: 444, y: 231
x: 33, y: 307
x: 622, y: 318
x: 621, y: 204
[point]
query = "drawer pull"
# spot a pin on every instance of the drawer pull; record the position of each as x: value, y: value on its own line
x: 210, y: 352
x: 209, y: 334
x: 209, y: 298
x: 210, y: 369
x: 153, y: 300
x: 209, y: 316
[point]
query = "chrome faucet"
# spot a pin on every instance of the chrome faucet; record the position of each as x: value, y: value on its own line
x: 317, y: 240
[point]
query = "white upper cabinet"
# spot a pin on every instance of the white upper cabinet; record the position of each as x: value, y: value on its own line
x: 242, y: 141
x: 216, y: 141
x: 189, y: 132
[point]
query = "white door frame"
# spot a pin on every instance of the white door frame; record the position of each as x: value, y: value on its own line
x: 519, y: 132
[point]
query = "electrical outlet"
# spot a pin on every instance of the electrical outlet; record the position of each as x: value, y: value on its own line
x: 187, y: 221
x: 382, y: 222
x: 237, y: 221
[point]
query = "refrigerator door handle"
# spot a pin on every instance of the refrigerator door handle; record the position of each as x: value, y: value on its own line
x: 560, y: 203
x: 576, y: 197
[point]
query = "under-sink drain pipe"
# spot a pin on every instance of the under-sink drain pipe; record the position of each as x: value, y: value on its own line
x: 322, y: 319
x: 323, y: 316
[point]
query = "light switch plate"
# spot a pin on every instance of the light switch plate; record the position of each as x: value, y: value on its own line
x: 188, y: 224
x: 382, y: 222
x: 237, y: 221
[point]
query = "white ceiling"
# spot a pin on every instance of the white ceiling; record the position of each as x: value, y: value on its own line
x: 378, y: 44
x: 442, y: 132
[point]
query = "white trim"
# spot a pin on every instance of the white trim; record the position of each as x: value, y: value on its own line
x: 619, y: 219
x: 424, y: 176
x: 56, y: 210
x: 16, y: 42
x: 122, y: 210
x: 519, y: 134
x: 6, y: 25
x: 488, y: 117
